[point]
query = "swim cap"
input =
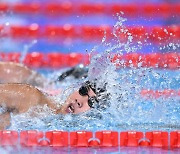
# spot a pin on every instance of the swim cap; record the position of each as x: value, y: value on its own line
x: 101, y: 94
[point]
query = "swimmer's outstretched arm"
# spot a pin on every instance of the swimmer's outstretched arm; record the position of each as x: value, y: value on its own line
x: 20, y: 97
x: 11, y: 72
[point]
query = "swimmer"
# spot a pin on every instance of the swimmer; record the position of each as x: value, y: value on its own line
x: 18, y: 98
x: 11, y: 72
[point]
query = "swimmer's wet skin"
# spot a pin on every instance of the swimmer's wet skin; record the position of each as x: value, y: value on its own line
x: 19, y: 98
x: 11, y: 72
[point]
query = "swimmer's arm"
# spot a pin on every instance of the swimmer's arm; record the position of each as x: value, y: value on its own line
x: 21, y: 97
x: 5, y: 120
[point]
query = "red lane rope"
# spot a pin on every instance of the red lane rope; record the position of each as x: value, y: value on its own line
x: 59, y: 60
x: 154, y: 94
x: 160, y: 139
x: 163, y: 34
x: 68, y: 8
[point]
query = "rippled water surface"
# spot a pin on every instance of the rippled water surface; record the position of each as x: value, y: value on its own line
x: 128, y: 110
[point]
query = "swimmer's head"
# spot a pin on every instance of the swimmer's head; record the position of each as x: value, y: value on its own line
x: 82, y: 99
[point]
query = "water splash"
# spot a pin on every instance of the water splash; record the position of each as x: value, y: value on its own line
x: 127, y: 110
x: 26, y: 49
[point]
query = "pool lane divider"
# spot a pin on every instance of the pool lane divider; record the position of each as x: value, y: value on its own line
x: 105, y: 138
x: 156, y: 34
x: 56, y: 60
x: 155, y: 94
x: 69, y: 8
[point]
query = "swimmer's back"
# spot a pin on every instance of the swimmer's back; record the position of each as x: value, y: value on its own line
x: 11, y: 72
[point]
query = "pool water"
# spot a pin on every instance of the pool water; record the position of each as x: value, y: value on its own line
x: 129, y: 109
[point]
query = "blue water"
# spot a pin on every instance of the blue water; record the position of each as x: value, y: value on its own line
x: 138, y: 113
x: 131, y: 112
x: 79, y: 19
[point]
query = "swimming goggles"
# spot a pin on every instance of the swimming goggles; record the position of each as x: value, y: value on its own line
x: 83, y: 91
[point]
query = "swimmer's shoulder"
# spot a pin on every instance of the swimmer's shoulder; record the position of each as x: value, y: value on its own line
x: 12, y: 64
x: 17, y: 72
x: 16, y: 66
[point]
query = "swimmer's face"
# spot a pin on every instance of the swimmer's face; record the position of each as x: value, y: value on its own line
x: 77, y: 103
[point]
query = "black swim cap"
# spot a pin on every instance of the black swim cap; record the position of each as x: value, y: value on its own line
x: 101, y: 94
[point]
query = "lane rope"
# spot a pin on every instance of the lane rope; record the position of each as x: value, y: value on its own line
x: 68, y: 8
x: 106, y: 138
x: 59, y: 60
x: 156, y: 34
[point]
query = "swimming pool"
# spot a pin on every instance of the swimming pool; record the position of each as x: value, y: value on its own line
x: 150, y: 87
